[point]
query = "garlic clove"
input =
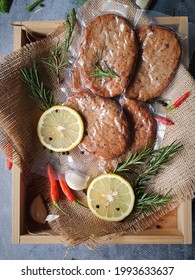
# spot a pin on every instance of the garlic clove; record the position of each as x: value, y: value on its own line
x: 38, y: 210
x: 76, y: 180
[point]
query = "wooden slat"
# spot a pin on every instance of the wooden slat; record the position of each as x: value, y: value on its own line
x: 185, y: 221
x: 41, y: 27
x: 17, y: 30
x: 16, y: 188
x: 17, y: 37
x: 183, y: 30
x: 165, y: 236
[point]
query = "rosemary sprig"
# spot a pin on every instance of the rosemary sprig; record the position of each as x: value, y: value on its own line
x: 70, y: 24
x: 57, y: 60
x: 146, y: 201
x: 38, y: 91
x: 58, y: 57
x: 140, y: 168
x: 129, y: 169
x: 154, y: 164
x: 134, y: 159
x: 103, y: 73
x: 147, y: 163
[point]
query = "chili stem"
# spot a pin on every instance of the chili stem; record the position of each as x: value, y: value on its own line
x: 78, y: 203
x: 66, y: 190
x: 58, y: 207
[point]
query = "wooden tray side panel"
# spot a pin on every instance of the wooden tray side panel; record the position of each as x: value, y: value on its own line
x: 185, y: 221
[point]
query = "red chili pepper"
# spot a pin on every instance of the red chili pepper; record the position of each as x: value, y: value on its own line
x: 179, y: 101
x: 66, y: 190
x: 54, y: 192
x: 9, y: 156
x: 163, y: 120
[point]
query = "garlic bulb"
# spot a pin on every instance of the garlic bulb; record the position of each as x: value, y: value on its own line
x: 76, y: 180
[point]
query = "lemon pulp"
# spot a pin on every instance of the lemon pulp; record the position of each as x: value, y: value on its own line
x: 110, y: 197
x: 60, y: 128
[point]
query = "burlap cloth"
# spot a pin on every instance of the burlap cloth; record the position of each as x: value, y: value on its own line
x: 19, y: 115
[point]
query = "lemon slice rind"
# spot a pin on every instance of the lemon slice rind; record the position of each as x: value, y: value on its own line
x: 66, y: 133
x: 100, y: 195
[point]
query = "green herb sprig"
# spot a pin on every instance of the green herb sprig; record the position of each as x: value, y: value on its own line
x: 38, y: 91
x: 5, y: 5
x: 33, y: 5
x: 146, y: 201
x: 155, y: 163
x: 140, y: 168
x: 58, y: 57
x: 103, y: 73
x: 57, y: 60
x: 70, y: 25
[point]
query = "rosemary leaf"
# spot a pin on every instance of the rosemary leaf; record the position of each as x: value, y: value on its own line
x: 154, y: 164
x: 57, y: 60
x: 58, y: 57
x: 103, y: 73
x: 140, y: 168
x: 38, y: 92
x: 70, y: 24
x: 147, y: 163
x: 147, y: 201
x: 134, y: 159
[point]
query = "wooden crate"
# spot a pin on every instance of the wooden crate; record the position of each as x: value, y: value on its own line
x: 174, y: 228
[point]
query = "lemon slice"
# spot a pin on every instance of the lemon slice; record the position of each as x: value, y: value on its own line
x: 60, y: 129
x: 110, y: 197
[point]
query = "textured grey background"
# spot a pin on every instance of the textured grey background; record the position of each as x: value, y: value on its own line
x: 54, y: 10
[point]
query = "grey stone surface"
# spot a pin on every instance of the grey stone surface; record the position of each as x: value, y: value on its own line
x: 175, y: 8
x: 58, y: 10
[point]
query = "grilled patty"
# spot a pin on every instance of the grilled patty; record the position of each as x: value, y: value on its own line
x: 142, y: 129
x: 76, y: 82
x: 160, y: 56
x: 106, y: 127
x: 109, y: 43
